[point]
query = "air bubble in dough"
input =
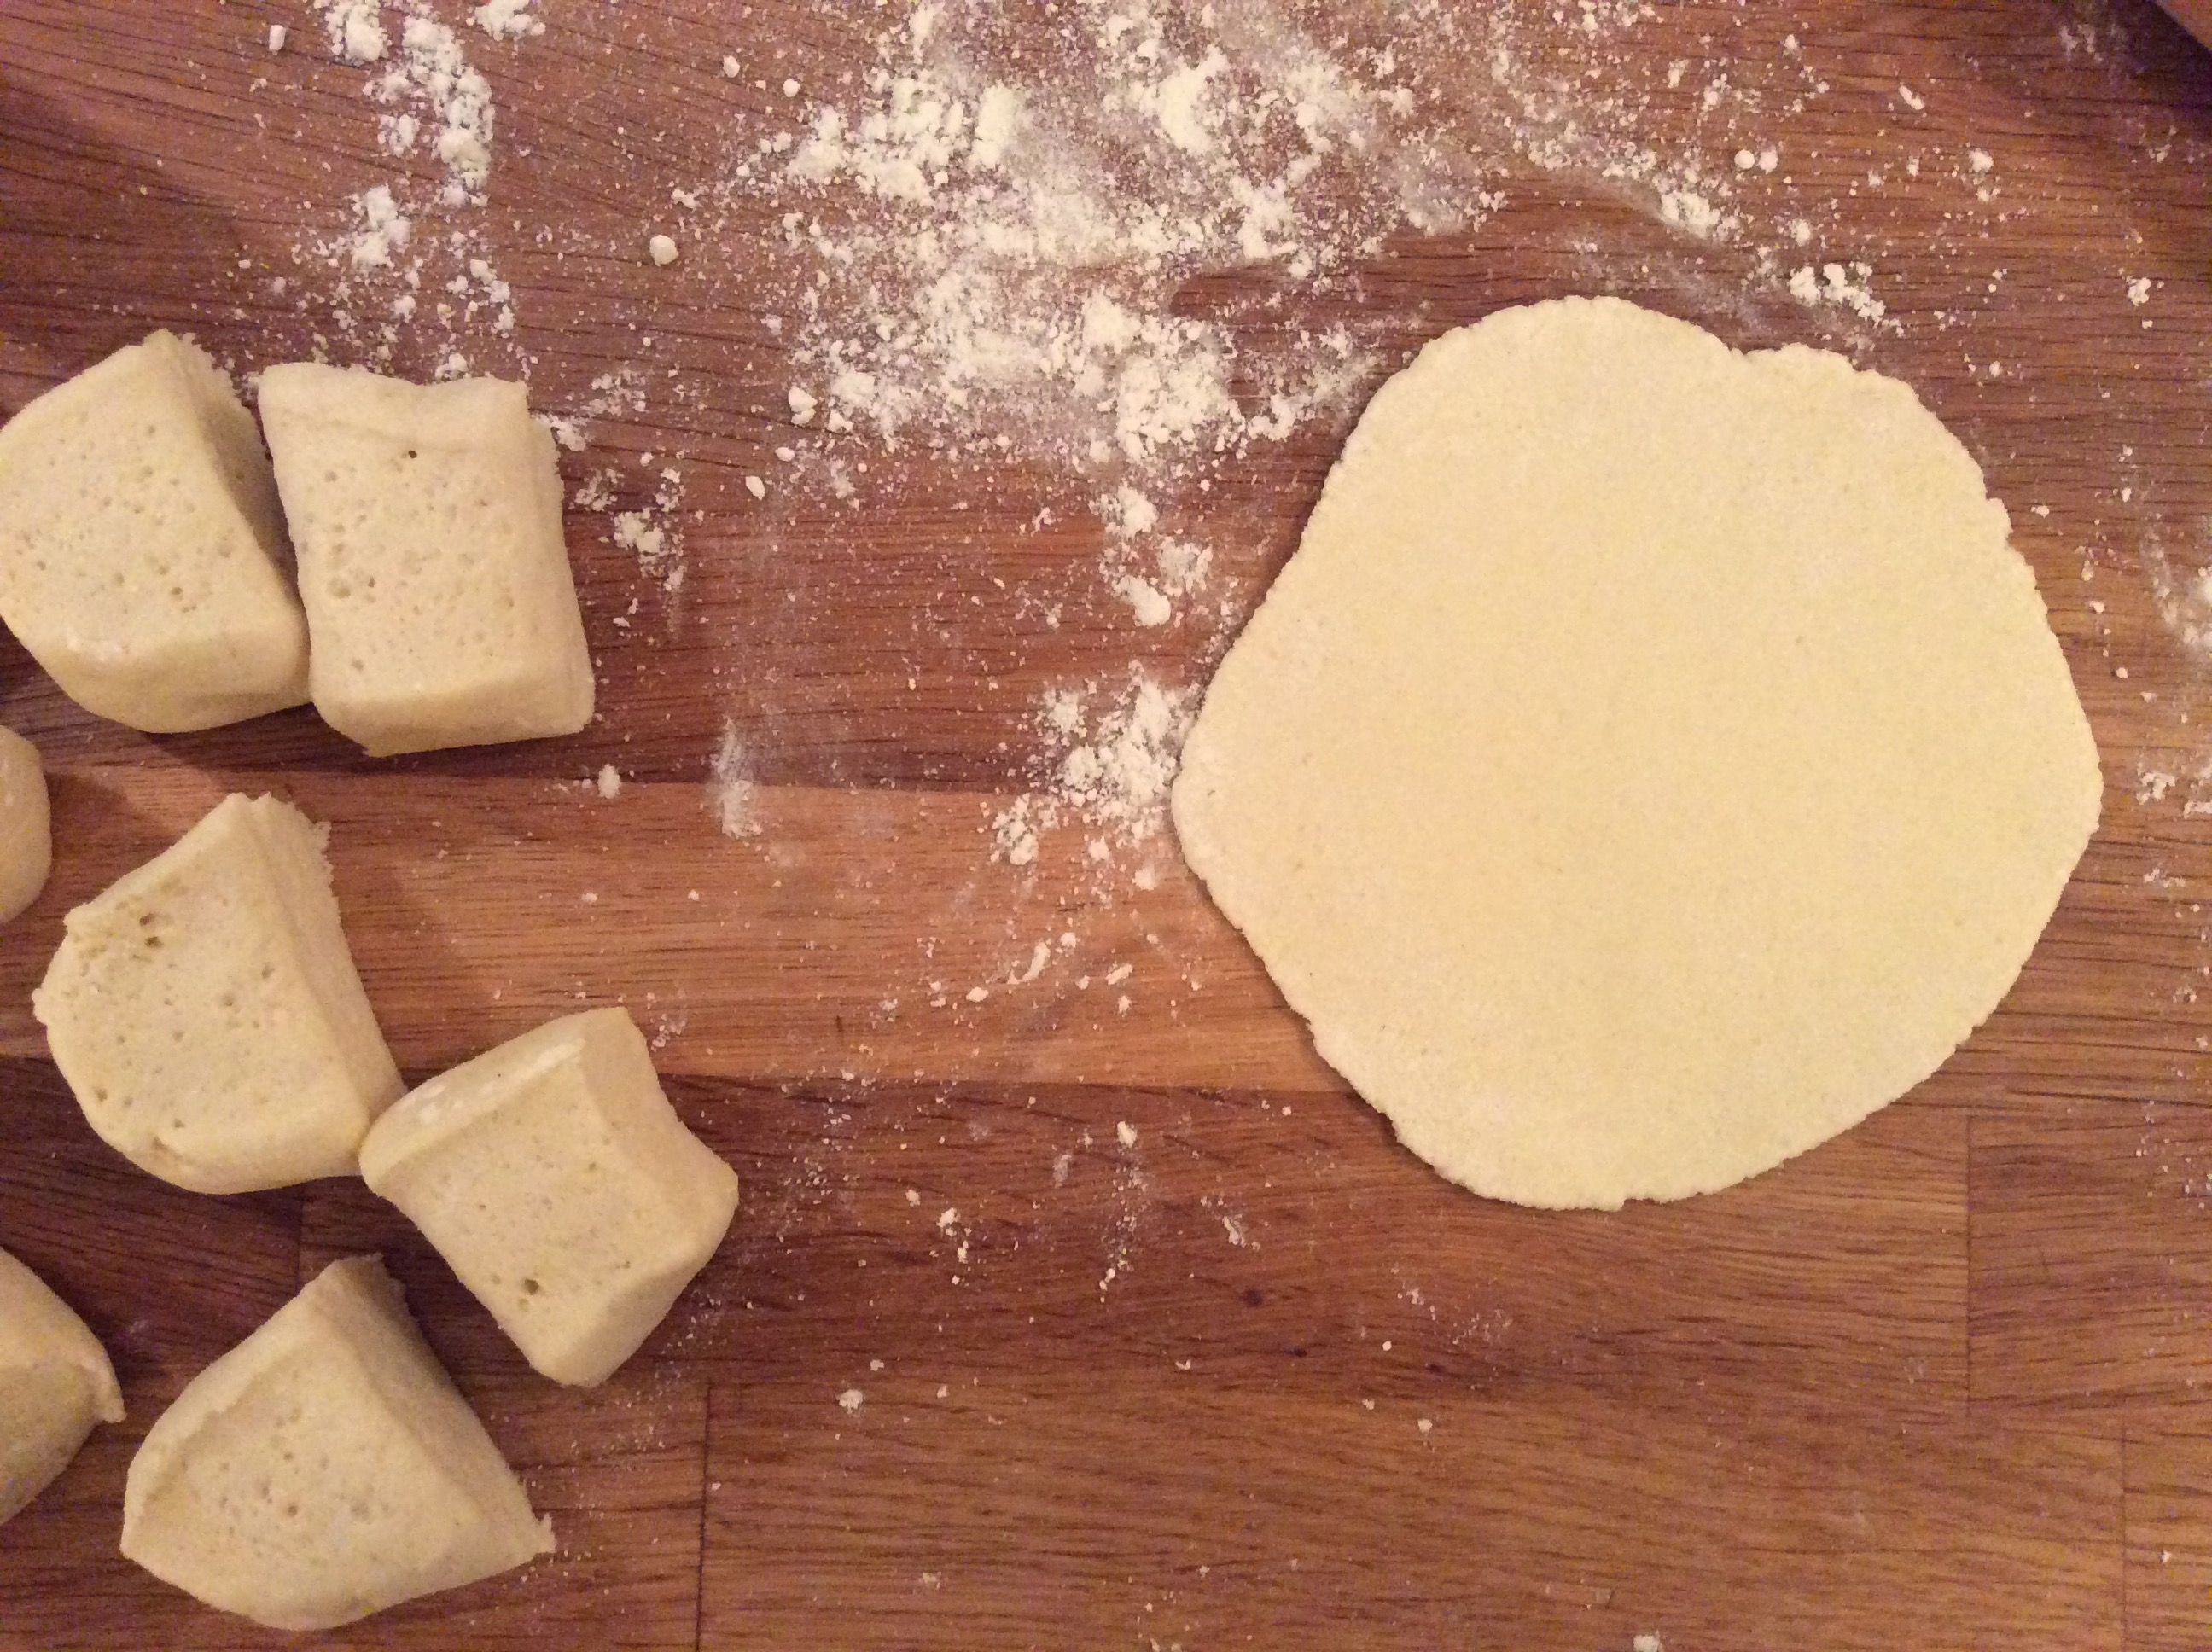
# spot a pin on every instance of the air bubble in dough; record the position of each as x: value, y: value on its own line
x: 206, y: 1012
x: 26, y: 842
x: 556, y: 1181
x: 326, y: 1468
x: 141, y: 550
x: 55, y: 1383
x: 428, y: 519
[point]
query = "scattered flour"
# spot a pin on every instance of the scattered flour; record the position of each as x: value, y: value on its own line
x: 356, y: 30
x: 1834, y: 284
x: 508, y: 20
x: 983, y: 264
x: 1111, y: 775
x: 414, y: 259
x: 731, y: 797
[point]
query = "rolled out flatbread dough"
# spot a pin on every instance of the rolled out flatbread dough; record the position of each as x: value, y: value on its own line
x: 1654, y: 760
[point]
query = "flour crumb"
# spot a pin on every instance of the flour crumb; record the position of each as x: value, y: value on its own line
x: 1146, y: 601
x: 277, y: 35
x: 1126, y: 1133
x: 1647, y: 1643
x: 356, y: 30
x: 851, y: 1400
x: 1835, y: 285
x: 1686, y: 210
x: 384, y: 231
x: 2139, y: 291
x: 609, y: 782
x: 662, y: 249
x: 509, y: 20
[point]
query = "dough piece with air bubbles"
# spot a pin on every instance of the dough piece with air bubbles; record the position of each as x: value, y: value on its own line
x: 55, y: 1383
x: 142, y: 560
x: 326, y: 1468
x: 26, y: 839
x: 1655, y: 759
x: 555, y: 1179
x: 428, y: 520
x: 206, y: 1012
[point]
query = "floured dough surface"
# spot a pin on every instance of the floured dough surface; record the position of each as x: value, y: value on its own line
x: 1654, y: 760
x: 326, y: 1468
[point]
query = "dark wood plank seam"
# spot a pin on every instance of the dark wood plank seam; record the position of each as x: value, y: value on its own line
x: 706, y: 1470
x: 2127, y: 1628
x: 1967, y: 1205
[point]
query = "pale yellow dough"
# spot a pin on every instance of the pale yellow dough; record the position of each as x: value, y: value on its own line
x: 326, y: 1468
x: 55, y: 1384
x: 1654, y: 760
x: 556, y: 1181
x: 428, y: 520
x: 142, y: 559
x: 206, y: 1012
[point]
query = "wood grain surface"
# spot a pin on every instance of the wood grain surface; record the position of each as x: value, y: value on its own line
x: 1244, y: 1374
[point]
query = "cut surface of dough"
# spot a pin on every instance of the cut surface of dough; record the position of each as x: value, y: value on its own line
x: 206, y: 1012
x: 142, y: 551
x: 556, y: 1181
x: 1654, y: 760
x: 436, y: 580
x: 55, y: 1383
x: 326, y: 1468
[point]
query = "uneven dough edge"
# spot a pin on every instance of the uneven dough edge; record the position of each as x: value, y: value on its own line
x: 1196, y: 801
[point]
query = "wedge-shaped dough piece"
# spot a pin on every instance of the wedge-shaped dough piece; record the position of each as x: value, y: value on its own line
x: 27, y: 840
x: 141, y: 550
x: 556, y: 1181
x: 55, y: 1383
x: 428, y: 519
x: 326, y: 1468
x: 206, y: 1012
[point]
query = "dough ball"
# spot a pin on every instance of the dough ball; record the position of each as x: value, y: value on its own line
x: 428, y: 520
x: 560, y: 1185
x: 27, y: 839
x: 55, y: 1384
x: 207, y: 1015
x: 326, y: 1468
x: 142, y: 552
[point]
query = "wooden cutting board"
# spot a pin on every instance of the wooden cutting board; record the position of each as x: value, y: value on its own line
x: 1242, y: 1373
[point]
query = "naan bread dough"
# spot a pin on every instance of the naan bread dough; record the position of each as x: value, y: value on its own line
x: 206, y: 1012
x: 55, y: 1383
x: 1654, y: 760
x: 142, y: 560
x: 427, y: 521
x: 327, y: 1468
x: 556, y: 1181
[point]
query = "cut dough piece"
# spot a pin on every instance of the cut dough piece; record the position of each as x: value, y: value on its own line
x: 206, y: 1012
x: 1655, y: 759
x: 428, y: 519
x: 142, y: 551
x: 55, y: 1383
x: 27, y: 839
x: 326, y: 1468
x: 555, y: 1179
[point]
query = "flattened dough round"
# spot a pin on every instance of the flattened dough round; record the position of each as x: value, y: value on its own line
x: 1654, y: 760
